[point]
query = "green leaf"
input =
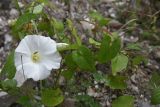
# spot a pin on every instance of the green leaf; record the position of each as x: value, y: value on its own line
x: 83, y: 57
x: 116, y: 82
x: 103, y: 54
x: 24, y: 19
x: 115, y: 47
x: 70, y: 62
x: 68, y: 74
x: 99, y: 77
x: 102, y: 21
x: 123, y: 101
x: 43, y: 1
x: 38, y: 9
x: 155, y: 96
x: 9, y: 84
x: 92, y: 41
x: 155, y: 80
x: 25, y: 101
x: 52, y: 97
x: 45, y: 27
x: 119, y: 63
x: 87, y: 101
x: 134, y: 46
x: 9, y: 68
x: 138, y: 60
x: 108, y: 49
x: 58, y: 25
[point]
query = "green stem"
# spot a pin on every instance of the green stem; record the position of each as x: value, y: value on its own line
x: 41, y: 86
x: 57, y: 79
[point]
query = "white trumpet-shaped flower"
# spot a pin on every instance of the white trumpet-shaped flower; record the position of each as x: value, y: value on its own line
x: 35, y: 57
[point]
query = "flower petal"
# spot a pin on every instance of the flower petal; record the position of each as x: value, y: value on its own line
x: 19, y: 77
x: 23, y: 47
x: 47, y: 45
x: 21, y: 58
x: 52, y: 61
x: 35, y: 71
x: 40, y: 72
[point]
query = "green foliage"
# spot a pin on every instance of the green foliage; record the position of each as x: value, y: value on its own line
x: 58, y: 25
x: 9, y: 84
x: 138, y: 60
x: 84, y: 59
x: 92, y: 41
x: 45, y: 26
x: 25, y: 101
x: 43, y: 1
x: 155, y: 96
x: 70, y: 62
x: 119, y: 63
x: 86, y: 101
x: 155, y: 80
x: 108, y: 49
x: 68, y: 74
x: 24, y: 19
x: 116, y: 82
x: 99, y: 77
x: 123, y: 101
x: 155, y: 88
x: 9, y: 67
x: 133, y: 46
x: 102, y: 21
x: 74, y: 32
x: 52, y: 97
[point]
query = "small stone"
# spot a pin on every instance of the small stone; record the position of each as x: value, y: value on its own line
x: 96, y: 86
x: 91, y: 92
x: 69, y: 102
x: 87, y: 24
x: 108, y: 103
x: 115, y: 24
x: 95, y: 82
x: 79, y: 93
x: 157, y: 53
x: 135, y: 88
x: 144, y: 104
x: 133, y: 78
x: 14, y: 13
x: 107, y: 1
x: 112, y: 12
x: 141, y: 96
x: 2, y: 93
x: 61, y: 81
x: 114, y: 96
x: 20, y: 4
x: 66, y: 93
x: 8, y: 38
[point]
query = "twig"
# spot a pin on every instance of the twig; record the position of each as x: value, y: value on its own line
x: 130, y: 21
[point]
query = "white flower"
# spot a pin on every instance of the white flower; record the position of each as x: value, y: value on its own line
x: 35, y: 57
